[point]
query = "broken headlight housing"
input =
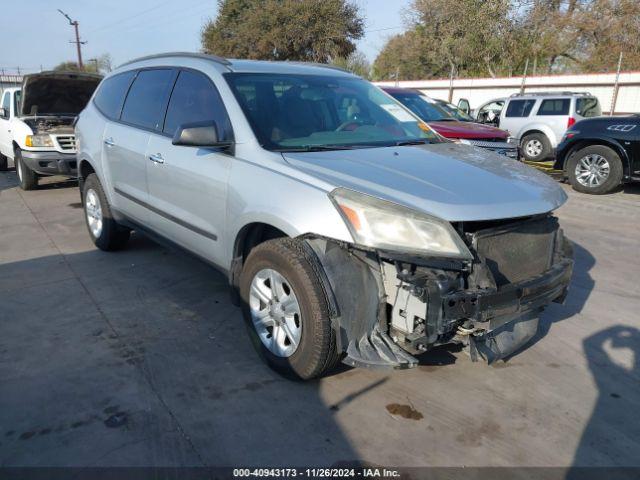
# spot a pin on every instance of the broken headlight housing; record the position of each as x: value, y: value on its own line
x: 385, y: 225
x: 39, y: 141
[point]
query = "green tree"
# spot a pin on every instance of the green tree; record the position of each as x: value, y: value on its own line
x: 302, y: 30
x: 67, y: 67
x: 356, y: 62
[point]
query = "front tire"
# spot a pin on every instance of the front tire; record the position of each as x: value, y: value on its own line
x: 595, y: 169
x: 4, y: 163
x: 535, y: 147
x: 105, y: 232
x: 27, y: 178
x: 286, y: 311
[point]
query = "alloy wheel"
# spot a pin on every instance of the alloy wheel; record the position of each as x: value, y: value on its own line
x: 275, y: 312
x: 592, y: 170
x: 94, y: 213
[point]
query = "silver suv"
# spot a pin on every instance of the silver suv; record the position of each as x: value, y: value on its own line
x: 348, y: 229
x: 540, y: 119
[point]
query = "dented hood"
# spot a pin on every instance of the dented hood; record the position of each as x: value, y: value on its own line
x: 450, y: 181
x: 57, y: 93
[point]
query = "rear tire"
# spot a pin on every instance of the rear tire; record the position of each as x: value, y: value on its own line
x: 105, y: 232
x: 27, y: 178
x: 535, y: 147
x: 316, y: 352
x: 606, y: 162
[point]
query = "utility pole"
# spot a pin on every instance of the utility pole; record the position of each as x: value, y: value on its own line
x: 614, y: 99
x: 74, y: 24
x: 524, y: 76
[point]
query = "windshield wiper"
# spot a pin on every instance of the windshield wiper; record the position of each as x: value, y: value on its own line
x: 404, y: 143
x: 319, y: 148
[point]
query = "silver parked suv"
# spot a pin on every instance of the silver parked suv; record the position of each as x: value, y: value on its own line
x: 540, y: 119
x: 348, y: 229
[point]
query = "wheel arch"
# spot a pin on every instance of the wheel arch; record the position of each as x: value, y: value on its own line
x: 541, y: 130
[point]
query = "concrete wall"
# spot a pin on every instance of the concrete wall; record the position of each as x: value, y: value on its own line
x: 480, y: 90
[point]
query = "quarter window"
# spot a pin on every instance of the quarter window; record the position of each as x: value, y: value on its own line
x: 144, y: 106
x: 555, y: 106
x: 195, y: 99
x: 111, y: 93
x: 588, y: 107
x: 519, y: 108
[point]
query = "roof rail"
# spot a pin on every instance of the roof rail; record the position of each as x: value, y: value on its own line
x: 322, y: 65
x: 544, y: 94
x: 204, y: 56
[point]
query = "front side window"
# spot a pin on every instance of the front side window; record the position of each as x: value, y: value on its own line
x: 111, y: 93
x: 555, y: 106
x: 588, y: 107
x: 6, y: 103
x: 519, y: 108
x: 304, y: 112
x: 144, y: 106
x: 195, y: 99
x: 423, y: 108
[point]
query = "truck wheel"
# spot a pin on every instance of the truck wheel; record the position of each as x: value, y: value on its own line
x: 286, y: 311
x: 536, y: 147
x: 103, y: 229
x: 28, y: 178
x: 4, y: 163
x: 595, y: 169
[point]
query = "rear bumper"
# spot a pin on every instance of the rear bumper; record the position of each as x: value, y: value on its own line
x: 51, y: 163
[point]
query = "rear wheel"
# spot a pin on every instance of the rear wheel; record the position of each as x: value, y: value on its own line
x: 28, y: 178
x: 595, y: 169
x: 535, y: 147
x: 285, y: 310
x: 105, y: 232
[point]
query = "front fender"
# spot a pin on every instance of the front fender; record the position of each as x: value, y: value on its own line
x: 565, y: 151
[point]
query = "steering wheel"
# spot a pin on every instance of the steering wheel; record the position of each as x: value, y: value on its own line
x: 348, y: 123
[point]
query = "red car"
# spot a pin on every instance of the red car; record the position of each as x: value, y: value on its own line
x: 448, y: 126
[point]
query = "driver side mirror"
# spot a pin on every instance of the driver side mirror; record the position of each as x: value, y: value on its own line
x: 463, y: 104
x: 199, y: 134
x: 4, y: 113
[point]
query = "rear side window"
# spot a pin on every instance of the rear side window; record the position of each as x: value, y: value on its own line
x: 144, y: 106
x: 519, y: 108
x: 555, y: 106
x: 195, y: 99
x: 6, y: 103
x: 111, y: 93
x: 588, y: 107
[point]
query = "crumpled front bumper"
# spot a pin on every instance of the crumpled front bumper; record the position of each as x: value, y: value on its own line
x: 388, y: 308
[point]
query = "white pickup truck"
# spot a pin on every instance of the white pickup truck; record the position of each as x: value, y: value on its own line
x: 36, y: 124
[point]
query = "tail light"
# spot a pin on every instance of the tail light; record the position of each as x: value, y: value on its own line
x: 571, y: 122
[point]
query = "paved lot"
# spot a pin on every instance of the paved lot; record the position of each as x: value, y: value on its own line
x: 138, y: 358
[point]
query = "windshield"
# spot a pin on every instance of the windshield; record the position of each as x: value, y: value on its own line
x: 421, y: 106
x: 455, y: 112
x: 312, y: 112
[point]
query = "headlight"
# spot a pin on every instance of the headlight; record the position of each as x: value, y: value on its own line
x: 512, y: 140
x: 39, y: 141
x: 380, y: 224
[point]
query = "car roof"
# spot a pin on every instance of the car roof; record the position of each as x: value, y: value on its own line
x: 252, y: 66
x: 564, y: 94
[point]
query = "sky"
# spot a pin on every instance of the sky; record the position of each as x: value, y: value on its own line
x: 127, y: 29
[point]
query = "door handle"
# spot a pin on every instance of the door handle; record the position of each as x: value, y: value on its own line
x: 109, y: 142
x: 156, y: 158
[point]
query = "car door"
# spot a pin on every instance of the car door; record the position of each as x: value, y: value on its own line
x: 188, y: 185
x: 125, y: 141
x: 5, y: 126
x: 515, y: 116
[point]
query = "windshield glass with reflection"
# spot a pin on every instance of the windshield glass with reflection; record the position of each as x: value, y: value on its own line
x: 313, y: 112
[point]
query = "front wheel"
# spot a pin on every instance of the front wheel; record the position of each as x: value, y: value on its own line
x: 286, y: 311
x: 595, y: 169
x: 105, y: 232
x: 27, y: 178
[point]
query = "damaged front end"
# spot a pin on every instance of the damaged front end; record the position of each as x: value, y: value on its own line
x: 389, y: 306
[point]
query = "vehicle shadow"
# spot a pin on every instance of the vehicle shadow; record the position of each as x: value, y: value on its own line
x: 611, y: 438
x: 138, y: 358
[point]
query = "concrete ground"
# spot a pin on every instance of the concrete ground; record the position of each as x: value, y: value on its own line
x: 139, y: 358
